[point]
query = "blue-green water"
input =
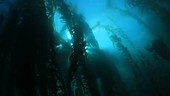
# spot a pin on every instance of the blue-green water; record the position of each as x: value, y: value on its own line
x: 126, y: 51
x: 136, y: 27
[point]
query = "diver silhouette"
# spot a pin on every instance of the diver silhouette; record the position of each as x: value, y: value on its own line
x: 159, y: 48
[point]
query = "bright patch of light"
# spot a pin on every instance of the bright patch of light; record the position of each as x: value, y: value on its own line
x: 61, y: 28
x: 87, y: 49
x: 68, y: 35
x: 102, y: 38
x: 60, y: 46
x: 58, y: 22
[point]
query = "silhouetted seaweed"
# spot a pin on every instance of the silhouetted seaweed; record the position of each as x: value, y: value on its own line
x: 151, y: 5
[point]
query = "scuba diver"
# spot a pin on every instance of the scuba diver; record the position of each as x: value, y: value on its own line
x: 159, y: 48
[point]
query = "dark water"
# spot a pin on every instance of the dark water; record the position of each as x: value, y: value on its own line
x: 85, y: 48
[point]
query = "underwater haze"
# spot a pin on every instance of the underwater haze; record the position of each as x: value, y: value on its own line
x: 129, y: 33
x: 85, y: 48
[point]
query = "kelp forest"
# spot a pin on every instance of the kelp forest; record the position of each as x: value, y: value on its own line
x: 84, y: 48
